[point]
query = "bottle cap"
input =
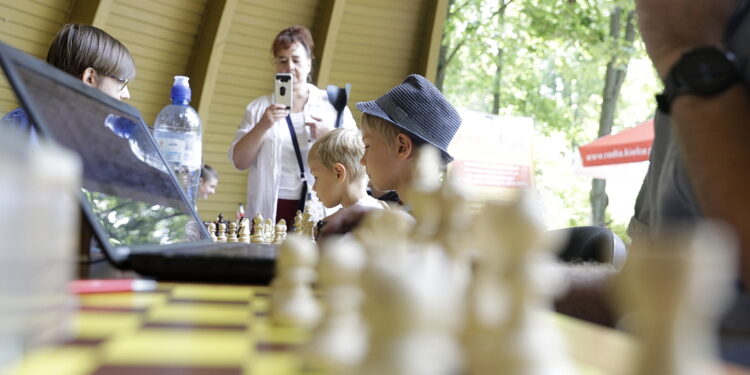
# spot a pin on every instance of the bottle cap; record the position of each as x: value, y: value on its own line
x: 181, y: 89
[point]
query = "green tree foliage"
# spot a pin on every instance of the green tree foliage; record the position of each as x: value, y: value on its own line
x: 131, y: 222
x: 554, y: 58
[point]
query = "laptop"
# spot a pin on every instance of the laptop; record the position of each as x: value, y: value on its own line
x: 139, y: 214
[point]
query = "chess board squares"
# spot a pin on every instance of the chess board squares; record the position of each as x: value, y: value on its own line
x: 61, y: 360
x: 200, y: 314
x: 139, y: 301
x: 168, y: 347
x: 95, y: 325
x: 241, y: 294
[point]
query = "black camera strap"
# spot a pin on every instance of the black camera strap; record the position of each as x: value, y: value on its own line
x: 298, y: 153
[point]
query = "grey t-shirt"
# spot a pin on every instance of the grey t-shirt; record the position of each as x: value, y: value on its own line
x: 666, y: 197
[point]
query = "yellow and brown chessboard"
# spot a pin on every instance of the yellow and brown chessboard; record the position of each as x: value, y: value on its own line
x: 196, y: 329
x: 186, y: 329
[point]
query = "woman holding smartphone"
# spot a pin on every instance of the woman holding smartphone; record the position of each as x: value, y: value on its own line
x: 265, y: 141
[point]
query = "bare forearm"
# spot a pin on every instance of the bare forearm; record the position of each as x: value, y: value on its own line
x: 246, y: 150
x: 715, y: 137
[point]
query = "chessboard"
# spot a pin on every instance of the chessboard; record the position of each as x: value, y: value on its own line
x: 176, y: 329
x: 196, y: 329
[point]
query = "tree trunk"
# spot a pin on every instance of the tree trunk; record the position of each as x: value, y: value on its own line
x: 498, y: 82
x: 443, y: 56
x: 615, y: 75
x: 442, y: 63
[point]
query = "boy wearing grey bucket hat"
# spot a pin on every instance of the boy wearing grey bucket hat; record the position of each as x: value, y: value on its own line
x: 395, y: 125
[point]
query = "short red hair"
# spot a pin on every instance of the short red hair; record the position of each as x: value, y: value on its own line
x: 294, y: 34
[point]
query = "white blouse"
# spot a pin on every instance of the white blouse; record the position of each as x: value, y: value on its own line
x: 265, y: 174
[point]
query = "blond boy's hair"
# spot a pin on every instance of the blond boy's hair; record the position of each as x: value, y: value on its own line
x: 340, y: 146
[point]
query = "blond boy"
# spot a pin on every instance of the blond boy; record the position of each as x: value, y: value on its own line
x: 340, y: 179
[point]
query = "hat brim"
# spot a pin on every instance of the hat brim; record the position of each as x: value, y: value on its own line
x: 372, y: 108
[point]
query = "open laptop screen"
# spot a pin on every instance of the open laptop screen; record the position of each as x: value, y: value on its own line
x: 127, y: 184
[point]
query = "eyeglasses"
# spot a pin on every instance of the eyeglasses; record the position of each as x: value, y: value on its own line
x: 123, y: 82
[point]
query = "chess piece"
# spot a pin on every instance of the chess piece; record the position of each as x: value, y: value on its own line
x: 514, y: 284
x: 212, y: 231
x: 221, y: 232
x: 413, y: 315
x: 258, y: 225
x: 674, y: 289
x: 232, y: 237
x: 244, y: 234
x: 279, y: 232
x: 268, y: 231
x: 292, y: 299
x: 297, y: 227
x: 339, y: 343
x: 385, y: 233
x: 455, y: 221
x: 307, y: 224
x: 423, y: 194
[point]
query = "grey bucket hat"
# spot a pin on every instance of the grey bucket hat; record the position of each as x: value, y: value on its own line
x: 418, y: 108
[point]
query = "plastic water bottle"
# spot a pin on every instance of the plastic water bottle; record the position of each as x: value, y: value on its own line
x: 178, y: 133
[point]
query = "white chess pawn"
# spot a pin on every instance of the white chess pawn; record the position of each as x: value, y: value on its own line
x: 339, y: 343
x: 222, y: 232
x: 292, y: 299
x: 279, y: 232
x: 232, y: 237
x: 212, y: 231
x: 258, y: 227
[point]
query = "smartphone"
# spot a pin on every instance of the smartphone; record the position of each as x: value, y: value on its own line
x: 737, y: 37
x: 282, y: 92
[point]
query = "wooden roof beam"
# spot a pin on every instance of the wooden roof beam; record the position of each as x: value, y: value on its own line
x: 208, y: 51
x: 433, y: 37
x: 90, y: 12
x: 326, y: 30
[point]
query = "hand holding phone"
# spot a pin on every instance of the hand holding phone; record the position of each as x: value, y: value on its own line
x: 282, y: 93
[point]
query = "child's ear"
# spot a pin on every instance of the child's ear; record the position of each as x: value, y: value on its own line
x: 89, y: 77
x: 340, y: 171
x: 404, y: 146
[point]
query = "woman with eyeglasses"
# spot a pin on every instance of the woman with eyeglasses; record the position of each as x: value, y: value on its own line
x: 90, y: 54
x: 264, y: 142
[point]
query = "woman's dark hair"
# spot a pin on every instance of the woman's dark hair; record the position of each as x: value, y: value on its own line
x: 77, y: 47
x: 294, y: 34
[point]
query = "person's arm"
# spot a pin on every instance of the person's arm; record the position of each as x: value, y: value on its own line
x: 714, y: 132
x: 589, y: 296
x: 246, y: 149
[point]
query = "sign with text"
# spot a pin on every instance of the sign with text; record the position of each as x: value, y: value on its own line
x: 493, y: 154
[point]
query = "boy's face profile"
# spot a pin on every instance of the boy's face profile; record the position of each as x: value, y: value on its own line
x: 381, y: 161
x: 327, y: 184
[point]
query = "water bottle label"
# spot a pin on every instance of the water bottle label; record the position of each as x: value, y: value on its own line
x: 171, y: 147
x: 180, y: 148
